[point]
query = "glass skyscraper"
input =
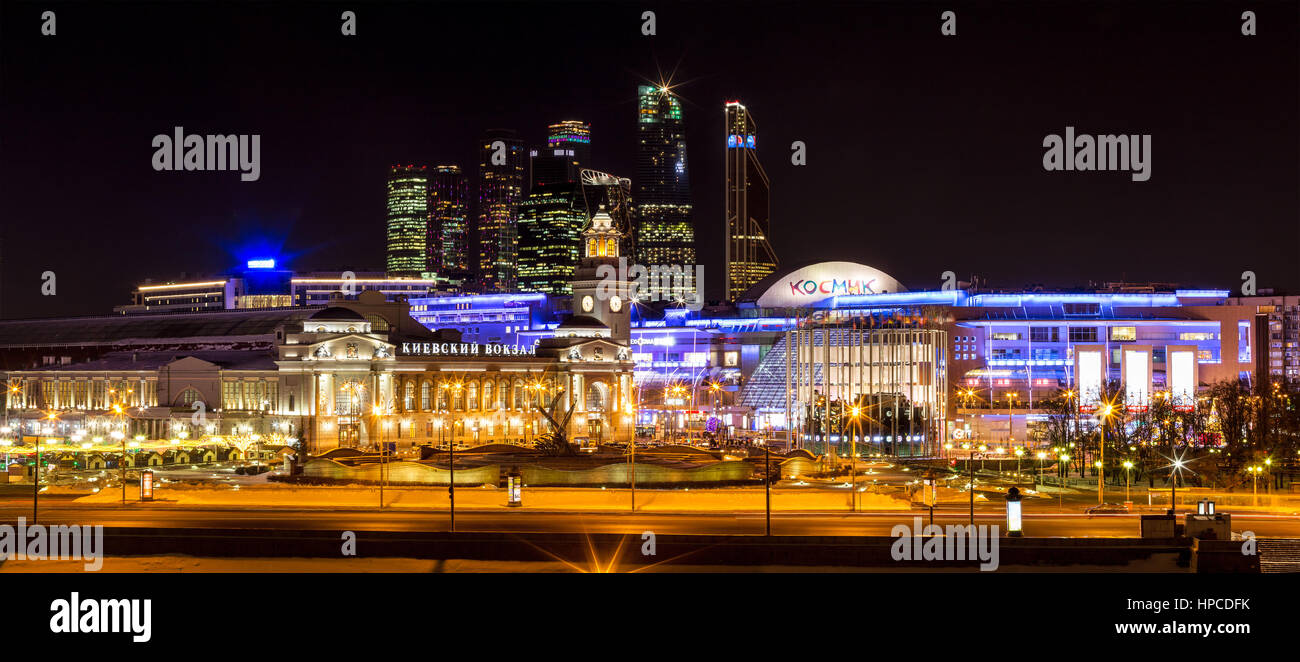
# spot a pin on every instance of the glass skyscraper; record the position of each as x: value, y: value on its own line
x: 449, y: 222
x: 568, y: 147
x: 665, y: 233
x: 406, y: 247
x: 749, y: 257
x: 500, y: 190
x: 550, y: 222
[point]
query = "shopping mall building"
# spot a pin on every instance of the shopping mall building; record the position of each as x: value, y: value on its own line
x: 967, y: 362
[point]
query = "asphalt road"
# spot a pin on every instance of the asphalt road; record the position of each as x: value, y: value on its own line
x: 873, y: 524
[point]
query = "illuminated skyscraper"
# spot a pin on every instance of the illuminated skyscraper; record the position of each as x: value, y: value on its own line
x: 408, y: 218
x: 500, y: 189
x: 551, y: 218
x: 665, y: 233
x: 449, y: 221
x: 568, y: 146
x: 749, y: 257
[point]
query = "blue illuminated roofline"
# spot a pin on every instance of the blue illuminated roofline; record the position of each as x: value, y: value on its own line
x: 950, y: 297
x: 478, y: 298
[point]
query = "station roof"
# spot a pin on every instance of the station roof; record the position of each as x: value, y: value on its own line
x: 159, y: 327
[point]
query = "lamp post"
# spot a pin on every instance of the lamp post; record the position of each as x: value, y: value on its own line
x: 1254, y: 470
x: 1020, y: 453
x: 1128, y: 466
x: 1060, y: 492
x: 36, y: 473
x: 1011, y: 437
x: 121, y: 462
x: 970, y: 465
x: 1101, y: 455
x: 379, y: 441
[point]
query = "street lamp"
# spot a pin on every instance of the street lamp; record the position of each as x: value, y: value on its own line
x: 1011, y: 437
x: 1105, y: 414
x: 1127, y: 467
x: 36, y: 474
x: 1060, y: 498
x: 1254, y: 470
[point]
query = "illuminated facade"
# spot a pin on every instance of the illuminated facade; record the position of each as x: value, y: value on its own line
x: 749, y: 256
x: 407, y: 223
x: 550, y: 218
x: 449, y: 222
x: 665, y: 227
x: 350, y: 375
x: 500, y: 190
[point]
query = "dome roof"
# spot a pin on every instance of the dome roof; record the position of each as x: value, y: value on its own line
x: 583, y: 322
x: 338, y: 314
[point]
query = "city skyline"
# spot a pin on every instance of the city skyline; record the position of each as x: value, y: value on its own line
x: 922, y: 147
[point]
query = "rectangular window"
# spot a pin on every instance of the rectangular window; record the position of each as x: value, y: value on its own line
x: 1045, y: 334
x: 1195, y: 336
x: 1243, y: 341
x: 1005, y: 335
x: 1083, y: 334
x: 1123, y: 333
x: 1081, y: 308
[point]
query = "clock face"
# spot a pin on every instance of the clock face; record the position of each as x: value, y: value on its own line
x: 615, y: 304
x: 588, y: 303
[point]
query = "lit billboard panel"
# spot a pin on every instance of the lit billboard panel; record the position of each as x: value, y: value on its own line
x: 1089, y: 372
x: 1182, y: 377
x: 1137, y: 377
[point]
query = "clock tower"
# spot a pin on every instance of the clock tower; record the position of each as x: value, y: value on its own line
x: 603, y: 293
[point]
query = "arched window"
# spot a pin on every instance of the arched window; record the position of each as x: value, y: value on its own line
x: 611, y: 247
x: 443, y: 387
x: 519, y: 394
x: 591, y: 247
x: 596, y: 397
x: 409, y: 400
x: 425, y: 387
x: 188, y: 397
x: 458, y: 397
x: 489, y: 403
x: 503, y: 394
x: 472, y: 387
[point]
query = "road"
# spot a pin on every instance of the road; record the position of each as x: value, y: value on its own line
x: 811, y: 524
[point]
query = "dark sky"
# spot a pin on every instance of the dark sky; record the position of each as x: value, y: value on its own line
x: 924, y: 152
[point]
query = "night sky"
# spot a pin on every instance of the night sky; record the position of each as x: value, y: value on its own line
x: 924, y: 152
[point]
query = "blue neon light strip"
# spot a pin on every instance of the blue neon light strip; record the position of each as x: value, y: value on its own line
x: 479, y: 298
x: 951, y: 297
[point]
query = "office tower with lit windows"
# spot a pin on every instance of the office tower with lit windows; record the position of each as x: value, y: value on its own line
x: 551, y: 218
x: 749, y: 256
x: 406, y: 248
x: 568, y: 147
x: 666, y: 231
x: 502, y: 171
x: 449, y: 221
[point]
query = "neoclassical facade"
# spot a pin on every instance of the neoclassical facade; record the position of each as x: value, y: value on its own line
x: 362, y: 388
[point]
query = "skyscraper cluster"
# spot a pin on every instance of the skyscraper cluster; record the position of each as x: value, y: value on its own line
x: 516, y: 226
